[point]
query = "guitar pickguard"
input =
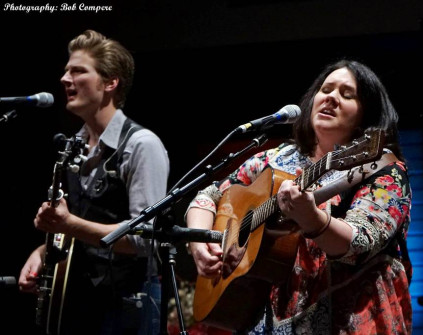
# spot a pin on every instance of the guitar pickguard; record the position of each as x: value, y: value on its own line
x: 232, y: 254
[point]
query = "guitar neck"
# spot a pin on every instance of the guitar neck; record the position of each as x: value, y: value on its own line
x: 50, y: 257
x: 55, y: 193
x: 311, y: 174
x: 262, y: 212
x: 305, y: 180
x: 58, y: 246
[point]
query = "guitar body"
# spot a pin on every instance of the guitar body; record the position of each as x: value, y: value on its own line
x: 59, y: 248
x: 45, y: 282
x: 58, y: 290
x: 254, y: 258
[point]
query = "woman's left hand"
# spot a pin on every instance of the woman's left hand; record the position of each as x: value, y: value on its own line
x: 296, y: 204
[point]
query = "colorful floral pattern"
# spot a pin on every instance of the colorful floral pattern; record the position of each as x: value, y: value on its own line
x: 366, y: 290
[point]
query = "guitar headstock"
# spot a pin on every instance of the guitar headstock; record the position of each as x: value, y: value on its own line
x: 365, y: 149
x: 70, y: 151
x: 75, y: 148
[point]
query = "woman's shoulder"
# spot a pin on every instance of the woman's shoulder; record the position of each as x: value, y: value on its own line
x: 287, y: 157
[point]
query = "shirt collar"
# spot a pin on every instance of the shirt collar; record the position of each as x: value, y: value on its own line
x: 111, y: 134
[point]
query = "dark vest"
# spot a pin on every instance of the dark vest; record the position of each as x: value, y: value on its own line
x: 106, y: 201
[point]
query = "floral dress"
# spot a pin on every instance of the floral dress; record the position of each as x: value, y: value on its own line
x: 366, y: 290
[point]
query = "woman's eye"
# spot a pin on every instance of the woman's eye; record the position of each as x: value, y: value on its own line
x: 349, y: 95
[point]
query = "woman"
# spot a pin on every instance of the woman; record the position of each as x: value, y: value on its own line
x: 351, y: 271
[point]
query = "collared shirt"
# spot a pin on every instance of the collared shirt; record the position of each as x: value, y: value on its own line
x: 144, y: 168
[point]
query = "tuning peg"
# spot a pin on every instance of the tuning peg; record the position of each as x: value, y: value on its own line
x: 74, y: 168
x: 80, y: 159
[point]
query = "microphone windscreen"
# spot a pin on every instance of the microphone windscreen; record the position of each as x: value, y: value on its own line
x: 44, y: 99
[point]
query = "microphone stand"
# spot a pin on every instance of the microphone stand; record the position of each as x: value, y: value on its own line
x: 167, y: 253
x: 9, y: 115
x: 174, y: 196
x: 168, y: 232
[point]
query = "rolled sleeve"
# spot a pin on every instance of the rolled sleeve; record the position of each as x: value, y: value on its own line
x: 145, y: 167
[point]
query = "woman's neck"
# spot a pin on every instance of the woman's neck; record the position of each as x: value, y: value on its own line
x: 319, y: 152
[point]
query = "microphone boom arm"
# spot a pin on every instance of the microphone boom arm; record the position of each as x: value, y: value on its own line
x: 174, y: 196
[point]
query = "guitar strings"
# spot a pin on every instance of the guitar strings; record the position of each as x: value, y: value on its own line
x: 270, y: 205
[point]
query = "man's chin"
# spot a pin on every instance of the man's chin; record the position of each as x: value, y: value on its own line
x: 73, y: 108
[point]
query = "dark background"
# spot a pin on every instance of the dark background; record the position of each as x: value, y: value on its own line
x: 202, y: 69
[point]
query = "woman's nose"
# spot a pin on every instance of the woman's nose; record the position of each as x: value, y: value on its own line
x: 332, y: 97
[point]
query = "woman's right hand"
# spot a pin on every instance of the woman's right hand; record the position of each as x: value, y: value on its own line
x: 208, y: 258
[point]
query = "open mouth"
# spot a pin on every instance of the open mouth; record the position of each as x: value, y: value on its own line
x: 71, y: 93
x: 327, y: 112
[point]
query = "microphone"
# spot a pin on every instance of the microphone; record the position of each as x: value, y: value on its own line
x: 288, y: 114
x: 7, y: 281
x: 42, y: 100
x: 177, y: 233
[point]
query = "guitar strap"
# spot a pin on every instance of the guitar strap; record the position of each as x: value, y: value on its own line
x: 352, y: 178
x: 112, y: 163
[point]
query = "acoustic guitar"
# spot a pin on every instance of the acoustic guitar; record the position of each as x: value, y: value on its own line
x: 53, y: 276
x: 259, y: 246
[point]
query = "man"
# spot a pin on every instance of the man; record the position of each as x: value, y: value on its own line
x: 114, y: 291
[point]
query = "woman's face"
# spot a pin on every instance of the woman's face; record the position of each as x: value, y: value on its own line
x: 336, y: 109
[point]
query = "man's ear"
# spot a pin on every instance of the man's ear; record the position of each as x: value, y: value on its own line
x: 111, y: 84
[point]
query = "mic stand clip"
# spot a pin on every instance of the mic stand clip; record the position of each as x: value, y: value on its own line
x: 8, y: 115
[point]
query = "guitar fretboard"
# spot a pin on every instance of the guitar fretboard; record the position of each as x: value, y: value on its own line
x: 307, y: 178
x: 314, y: 172
x: 262, y: 212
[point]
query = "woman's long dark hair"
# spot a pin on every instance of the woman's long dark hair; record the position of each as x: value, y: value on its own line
x: 378, y: 111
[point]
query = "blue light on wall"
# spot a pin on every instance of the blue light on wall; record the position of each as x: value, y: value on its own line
x: 412, y: 145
